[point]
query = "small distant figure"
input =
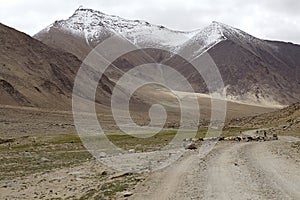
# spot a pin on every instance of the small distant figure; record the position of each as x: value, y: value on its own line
x: 256, y: 132
x: 265, y: 133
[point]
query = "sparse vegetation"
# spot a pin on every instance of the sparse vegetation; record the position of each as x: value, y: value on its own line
x: 21, y: 158
x: 296, y: 145
x: 109, y: 189
x: 26, y: 157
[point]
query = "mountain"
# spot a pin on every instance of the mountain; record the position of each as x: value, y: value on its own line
x: 258, y: 70
x: 36, y: 75
x: 253, y: 70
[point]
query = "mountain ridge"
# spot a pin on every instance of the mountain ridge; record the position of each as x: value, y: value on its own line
x: 253, y: 70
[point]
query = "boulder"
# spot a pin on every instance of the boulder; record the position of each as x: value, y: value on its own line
x: 127, y: 194
x: 120, y: 174
x: 190, y: 146
x: 275, y: 137
x: 249, y: 138
x: 101, y: 155
x: 131, y: 150
x: 43, y: 159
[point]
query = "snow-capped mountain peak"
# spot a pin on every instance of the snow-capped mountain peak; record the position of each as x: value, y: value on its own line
x: 92, y: 18
x: 92, y: 24
x: 232, y: 33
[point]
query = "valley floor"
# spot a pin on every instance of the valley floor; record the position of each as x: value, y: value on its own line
x: 232, y: 170
x: 47, y: 160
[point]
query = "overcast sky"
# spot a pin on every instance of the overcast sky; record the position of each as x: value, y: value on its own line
x: 267, y: 19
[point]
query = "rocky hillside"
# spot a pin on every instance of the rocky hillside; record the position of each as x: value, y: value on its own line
x: 33, y: 74
x: 286, y: 120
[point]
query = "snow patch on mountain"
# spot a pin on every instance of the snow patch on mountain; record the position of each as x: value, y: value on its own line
x: 204, y: 39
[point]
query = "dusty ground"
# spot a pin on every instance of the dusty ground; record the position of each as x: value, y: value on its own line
x: 47, y: 160
x: 85, y: 181
x: 233, y: 170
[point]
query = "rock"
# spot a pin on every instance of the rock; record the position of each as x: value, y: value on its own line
x: 261, y: 138
x: 231, y: 138
x: 131, y: 150
x: 127, y: 194
x: 249, y: 138
x: 191, y: 146
x: 26, y: 153
x: 256, y: 138
x: 75, y: 173
x: 43, y: 159
x: 101, y: 155
x: 104, y: 173
x: 121, y: 174
x: 2, y: 141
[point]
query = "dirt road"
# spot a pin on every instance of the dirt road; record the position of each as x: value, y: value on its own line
x: 233, y: 170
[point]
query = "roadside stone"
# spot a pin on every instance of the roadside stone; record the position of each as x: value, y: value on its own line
x: 101, y: 155
x: 43, y: 159
x: 127, y: 194
x: 75, y: 173
x: 104, y: 173
x: 131, y: 150
x: 121, y: 174
x: 191, y: 146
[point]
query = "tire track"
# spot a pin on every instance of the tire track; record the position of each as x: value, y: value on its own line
x: 233, y: 170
